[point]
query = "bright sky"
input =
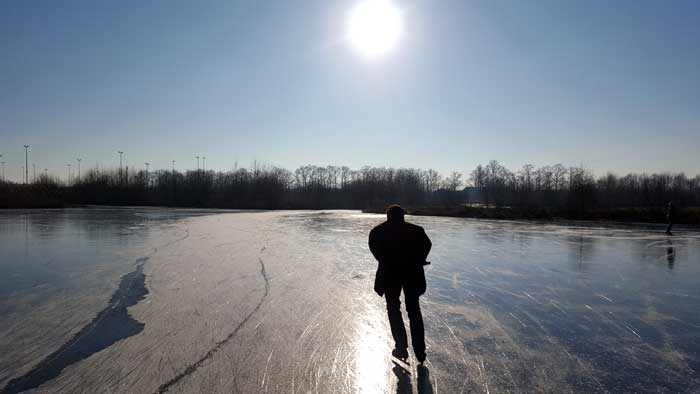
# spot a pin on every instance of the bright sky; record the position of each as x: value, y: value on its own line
x: 612, y: 85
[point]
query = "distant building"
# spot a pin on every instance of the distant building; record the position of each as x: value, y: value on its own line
x: 471, y: 195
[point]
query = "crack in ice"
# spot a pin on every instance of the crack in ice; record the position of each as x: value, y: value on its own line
x: 196, y: 365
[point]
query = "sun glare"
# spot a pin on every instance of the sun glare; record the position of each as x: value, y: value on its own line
x: 374, y: 27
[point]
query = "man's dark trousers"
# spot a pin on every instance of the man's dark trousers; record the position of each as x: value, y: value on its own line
x: 398, y: 331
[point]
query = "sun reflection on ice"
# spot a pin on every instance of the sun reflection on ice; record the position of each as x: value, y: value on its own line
x: 371, y: 351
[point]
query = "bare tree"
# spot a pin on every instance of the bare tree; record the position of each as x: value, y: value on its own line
x: 559, y: 175
x: 431, y: 179
x: 454, y: 181
x: 526, y: 176
x: 478, y: 177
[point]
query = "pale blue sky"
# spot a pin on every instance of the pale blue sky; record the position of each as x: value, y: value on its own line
x: 613, y: 85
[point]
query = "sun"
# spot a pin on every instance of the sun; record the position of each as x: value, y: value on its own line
x: 374, y: 27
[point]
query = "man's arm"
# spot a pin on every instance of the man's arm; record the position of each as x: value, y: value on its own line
x: 375, y: 245
x: 424, y: 245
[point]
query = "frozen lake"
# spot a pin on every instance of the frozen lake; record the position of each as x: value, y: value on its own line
x: 187, y: 301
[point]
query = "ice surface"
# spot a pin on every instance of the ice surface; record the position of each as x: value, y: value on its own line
x: 282, y: 302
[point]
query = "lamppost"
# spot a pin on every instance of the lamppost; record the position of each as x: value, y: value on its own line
x: 203, y: 167
x: 197, y: 163
x: 68, y: 165
x: 147, y: 164
x: 3, y: 170
x: 26, y: 164
x: 79, y: 160
x: 33, y: 173
x: 46, y: 173
x: 173, y: 167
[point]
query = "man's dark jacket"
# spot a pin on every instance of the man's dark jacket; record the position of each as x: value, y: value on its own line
x: 401, y: 249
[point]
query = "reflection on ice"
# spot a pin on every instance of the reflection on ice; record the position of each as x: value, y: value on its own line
x: 670, y: 254
x: 371, y: 349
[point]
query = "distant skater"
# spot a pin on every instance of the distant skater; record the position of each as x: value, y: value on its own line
x: 670, y: 217
x: 401, y: 249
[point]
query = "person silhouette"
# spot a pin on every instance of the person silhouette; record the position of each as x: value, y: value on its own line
x: 401, y: 249
x: 670, y: 217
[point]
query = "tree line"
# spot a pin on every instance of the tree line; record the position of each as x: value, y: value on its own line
x: 553, y: 187
x: 577, y: 188
x: 258, y: 187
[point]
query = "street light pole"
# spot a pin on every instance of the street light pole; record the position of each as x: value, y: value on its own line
x: 203, y: 167
x: 197, y: 163
x: 33, y: 173
x: 68, y: 165
x: 79, y: 160
x: 3, y: 170
x: 26, y: 164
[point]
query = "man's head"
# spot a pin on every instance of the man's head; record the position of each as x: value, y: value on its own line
x: 394, y: 214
